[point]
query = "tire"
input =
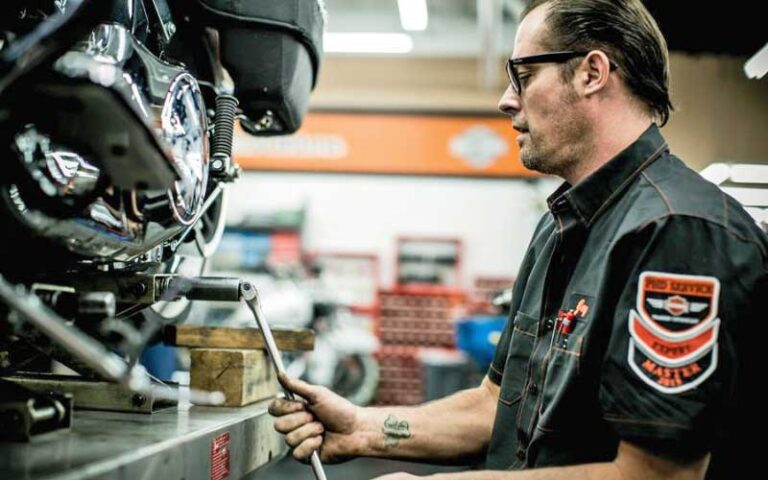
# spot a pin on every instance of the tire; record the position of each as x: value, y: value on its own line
x: 357, y: 378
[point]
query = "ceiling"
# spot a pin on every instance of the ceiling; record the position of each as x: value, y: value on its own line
x: 456, y: 29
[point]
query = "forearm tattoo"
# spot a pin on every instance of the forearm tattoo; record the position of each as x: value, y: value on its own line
x: 394, y: 430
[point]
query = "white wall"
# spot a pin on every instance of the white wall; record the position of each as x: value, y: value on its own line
x: 365, y: 214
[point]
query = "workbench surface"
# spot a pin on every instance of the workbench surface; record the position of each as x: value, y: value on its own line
x: 184, y: 442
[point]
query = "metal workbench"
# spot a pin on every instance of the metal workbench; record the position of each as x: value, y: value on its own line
x: 184, y: 442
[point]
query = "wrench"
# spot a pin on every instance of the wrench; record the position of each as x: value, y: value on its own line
x: 251, y: 297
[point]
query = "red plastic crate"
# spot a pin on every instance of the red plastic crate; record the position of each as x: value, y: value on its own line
x: 401, y: 381
x: 415, y: 317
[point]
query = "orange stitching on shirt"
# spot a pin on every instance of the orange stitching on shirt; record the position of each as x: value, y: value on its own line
x: 616, y: 192
x: 709, y: 220
x: 511, y: 402
x: 519, y: 330
x: 661, y: 194
x: 568, y: 352
x: 575, y: 207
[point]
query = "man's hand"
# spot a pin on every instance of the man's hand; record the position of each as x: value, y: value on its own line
x: 324, y: 422
x: 397, y: 476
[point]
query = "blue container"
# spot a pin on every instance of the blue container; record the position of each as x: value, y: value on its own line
x: 478, y: 337
x: 160, y: 361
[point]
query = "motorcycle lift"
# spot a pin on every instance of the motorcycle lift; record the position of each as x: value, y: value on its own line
x: 181, y: 442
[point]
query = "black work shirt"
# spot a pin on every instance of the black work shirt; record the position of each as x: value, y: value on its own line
x: 626, y: 316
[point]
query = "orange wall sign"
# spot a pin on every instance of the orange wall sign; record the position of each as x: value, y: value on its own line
x: 389, y: 144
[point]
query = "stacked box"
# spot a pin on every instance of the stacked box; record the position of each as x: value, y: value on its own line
x: 419, y: 318
x: 401, y: 381
x: 412, y: 319
x: 480, y: 299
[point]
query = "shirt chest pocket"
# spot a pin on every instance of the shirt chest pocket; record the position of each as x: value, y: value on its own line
x: 560, y: 376
x: 518, y: 357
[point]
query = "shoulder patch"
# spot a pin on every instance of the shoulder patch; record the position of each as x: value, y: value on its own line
x: 671, y: 380
x: 677, y: 303
x: 672, y: 350
x: 674, y: 330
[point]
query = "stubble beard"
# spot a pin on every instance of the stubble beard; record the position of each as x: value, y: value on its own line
x: 571, y: 132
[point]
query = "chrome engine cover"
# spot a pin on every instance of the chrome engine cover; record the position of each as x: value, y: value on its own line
x: 185, y: 128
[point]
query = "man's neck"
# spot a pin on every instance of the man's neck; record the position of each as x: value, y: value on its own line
x: 612, y: 136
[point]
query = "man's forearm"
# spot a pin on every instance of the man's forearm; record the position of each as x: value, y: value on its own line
x: 593, y: 471
x: 631, y: 463
x: 455, y: 429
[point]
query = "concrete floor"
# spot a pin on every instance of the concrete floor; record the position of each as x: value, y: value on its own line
x: 358, y: 469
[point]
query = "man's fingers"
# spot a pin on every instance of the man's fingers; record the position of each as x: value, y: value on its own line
x: 281, y: 407
x: 299, y: 435
x: 303, y: 451
x: 290, y: 422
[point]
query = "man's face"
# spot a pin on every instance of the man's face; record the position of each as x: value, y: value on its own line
x: 547, y: 112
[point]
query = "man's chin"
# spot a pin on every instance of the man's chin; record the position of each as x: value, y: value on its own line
x: 537, y: 165
x: 530, y: 162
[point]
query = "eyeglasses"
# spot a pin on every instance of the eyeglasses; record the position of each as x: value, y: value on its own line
x: 554, y: 57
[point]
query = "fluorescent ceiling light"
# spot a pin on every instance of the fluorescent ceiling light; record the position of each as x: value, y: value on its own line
x: 751, y: 197
x: 757, y: 66
x: 413, y: 14
x: 716, y: 173
x: 719, y: 173
x: 337, y: 42
x: 749, y: 173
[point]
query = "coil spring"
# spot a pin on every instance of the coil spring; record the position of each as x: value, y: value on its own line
x: 224, y: 125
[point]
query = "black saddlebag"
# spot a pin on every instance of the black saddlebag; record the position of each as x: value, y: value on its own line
x: 272, y: 50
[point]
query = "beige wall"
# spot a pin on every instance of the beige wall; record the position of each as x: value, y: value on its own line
x: 721, y: 115
x: 402, y: 84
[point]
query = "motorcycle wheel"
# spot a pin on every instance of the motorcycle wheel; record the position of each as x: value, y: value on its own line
x: 357, y: 378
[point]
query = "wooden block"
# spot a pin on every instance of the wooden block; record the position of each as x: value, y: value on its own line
x: 296, y: 339
x: 245, y: 376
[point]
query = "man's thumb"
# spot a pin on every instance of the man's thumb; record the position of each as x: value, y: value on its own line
x: 299, y: 387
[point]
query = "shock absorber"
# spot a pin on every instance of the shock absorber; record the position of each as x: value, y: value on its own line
x: 223, y: 136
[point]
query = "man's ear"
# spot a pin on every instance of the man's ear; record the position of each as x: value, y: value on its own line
x: 593, y: 72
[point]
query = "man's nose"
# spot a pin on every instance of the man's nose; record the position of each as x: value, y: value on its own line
x: 509, y: 103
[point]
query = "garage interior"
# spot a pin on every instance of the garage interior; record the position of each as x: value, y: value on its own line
x: 384, y: 238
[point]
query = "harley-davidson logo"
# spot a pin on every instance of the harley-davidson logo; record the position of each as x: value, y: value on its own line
x: 676, y: 305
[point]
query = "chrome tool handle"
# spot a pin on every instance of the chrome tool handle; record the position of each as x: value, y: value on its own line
x: 251, y: 297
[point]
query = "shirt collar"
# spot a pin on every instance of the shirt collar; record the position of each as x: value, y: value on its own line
x: 592, y: 195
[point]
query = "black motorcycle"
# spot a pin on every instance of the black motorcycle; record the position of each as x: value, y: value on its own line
x: 116, y: 131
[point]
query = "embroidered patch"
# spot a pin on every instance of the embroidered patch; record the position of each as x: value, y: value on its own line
x: 671, y: 380
x: 676, y: 303
x: 674, y: 330
x: 672, y: 349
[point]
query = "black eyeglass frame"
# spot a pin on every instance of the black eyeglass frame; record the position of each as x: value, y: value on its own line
x: 551, y: 57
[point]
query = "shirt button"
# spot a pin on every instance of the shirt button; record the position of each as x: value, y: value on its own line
x: 520, y: 453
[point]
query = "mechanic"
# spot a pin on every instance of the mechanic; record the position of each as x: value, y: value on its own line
x: 621, y: 356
